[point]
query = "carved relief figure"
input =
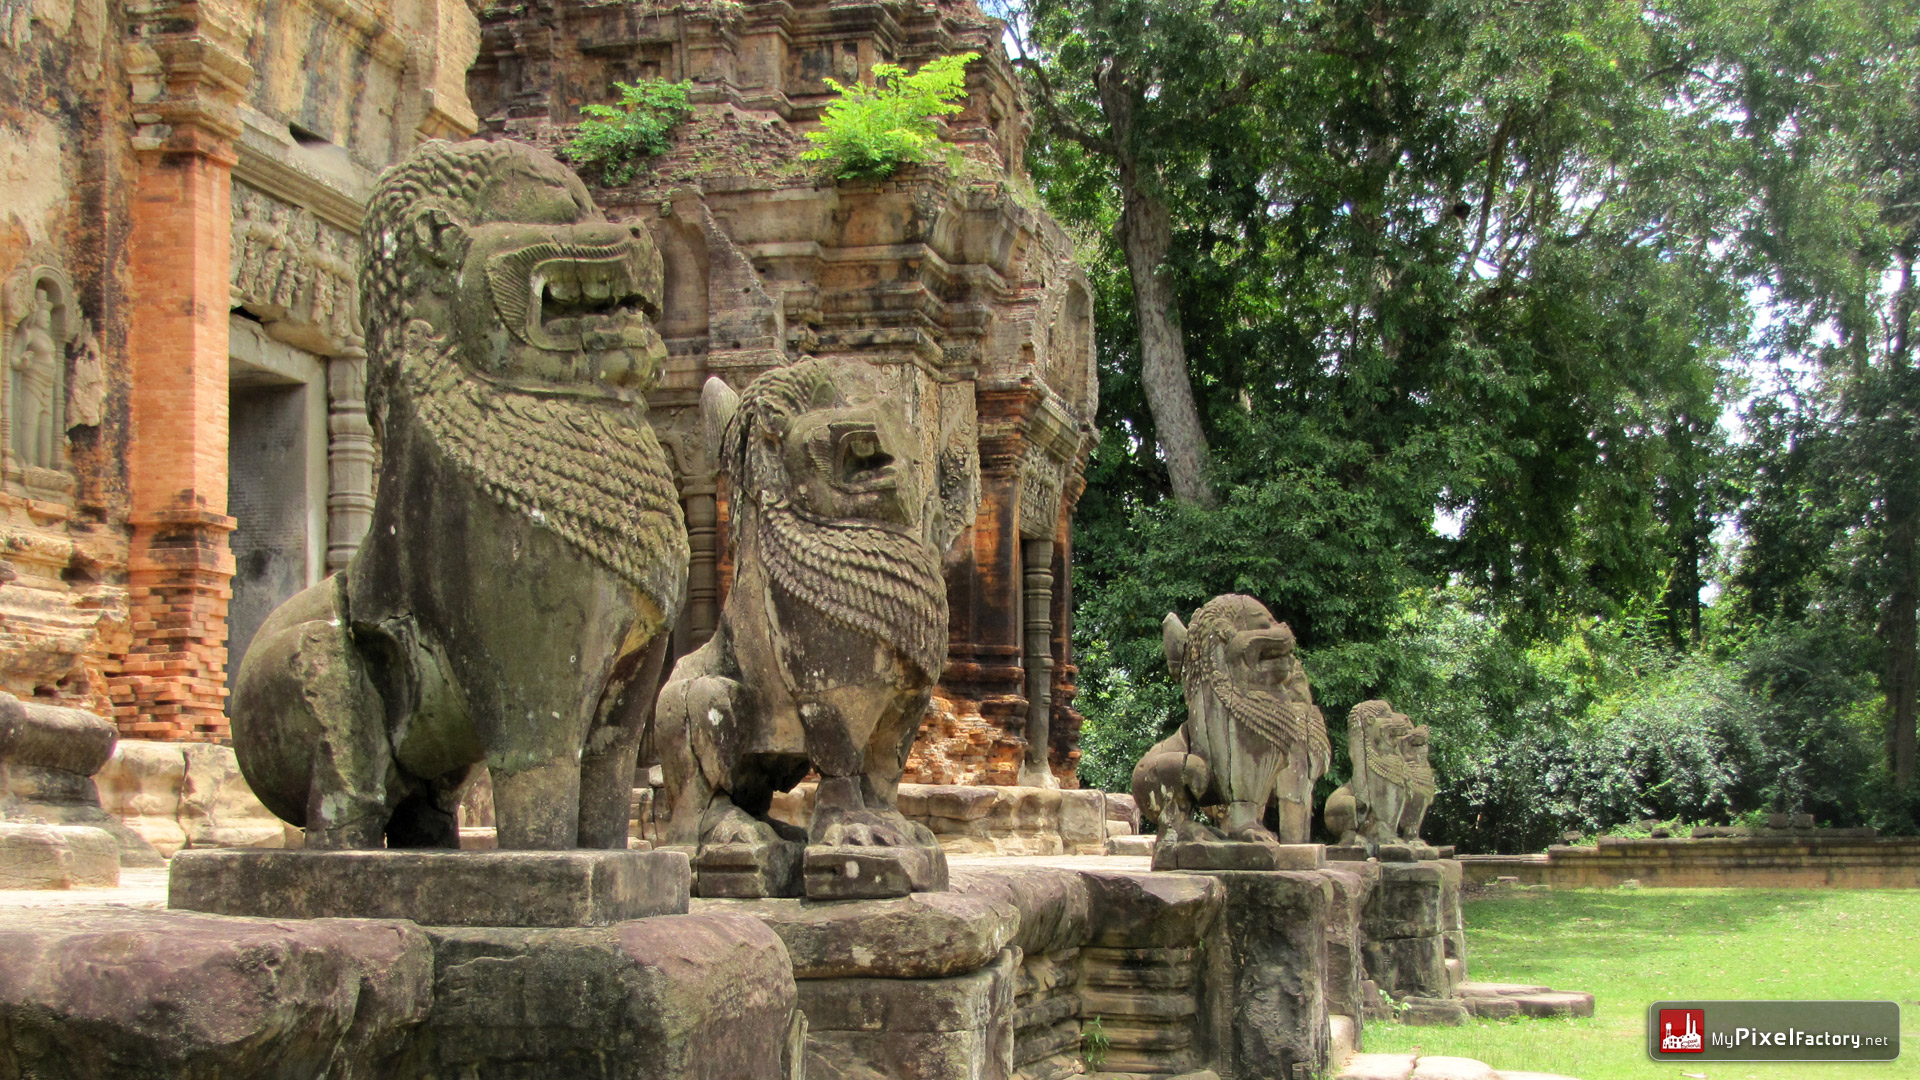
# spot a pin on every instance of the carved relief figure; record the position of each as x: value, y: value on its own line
x: 831, y: 638
x: 35, y: 365
x: 1252, y: 731
x: 510, y: 604
x: 86, y: 400
x: 1369, y: 807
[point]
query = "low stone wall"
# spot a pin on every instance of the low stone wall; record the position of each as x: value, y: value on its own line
x: 967, y: 819
x: 1804, y: 861
x: 1245, y: 974
x: 187, y: 795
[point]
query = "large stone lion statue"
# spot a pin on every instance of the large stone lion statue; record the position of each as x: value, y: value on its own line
x: 831, y: 638
x: 510, y: 604
x: 1252, y: 734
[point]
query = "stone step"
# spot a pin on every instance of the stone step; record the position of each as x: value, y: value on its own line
x: 1437, y: 1067
x: 1137, y: 844
x: 1431, y: 1012
x: 1498, y: 989
x: 1555, y: 1003
x: 1491, y: 1008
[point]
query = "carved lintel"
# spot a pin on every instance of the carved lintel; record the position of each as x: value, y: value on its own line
x: 295, y: 272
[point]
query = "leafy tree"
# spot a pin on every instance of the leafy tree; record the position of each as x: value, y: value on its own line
x: 873, y: 131
x: 616, y: 138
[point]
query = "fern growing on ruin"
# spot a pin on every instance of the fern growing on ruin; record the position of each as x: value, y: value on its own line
x: 615, y: 139
x: 872, y: 131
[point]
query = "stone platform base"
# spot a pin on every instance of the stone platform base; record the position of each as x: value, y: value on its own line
x: 1237, y: 855
x: 114, y: 992
x: 57, y: 857
x: 439, y: 888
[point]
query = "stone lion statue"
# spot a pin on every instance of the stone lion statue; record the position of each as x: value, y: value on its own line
x: 832, y: 636
x: 509, y: 605
x: 1369, y: 808
x: 1421, y: 788
x: 1252, y: 733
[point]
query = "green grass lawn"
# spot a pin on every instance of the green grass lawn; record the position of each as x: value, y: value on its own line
x: 1632, y: 947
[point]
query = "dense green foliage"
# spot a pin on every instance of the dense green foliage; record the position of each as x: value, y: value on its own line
x: 1618, y: 293
x: 872, y: 131
x: 616, y: 139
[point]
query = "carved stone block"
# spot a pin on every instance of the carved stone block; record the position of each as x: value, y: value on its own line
x: 472, y: 888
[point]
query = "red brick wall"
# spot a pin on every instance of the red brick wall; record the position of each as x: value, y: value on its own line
x: 173, y: 683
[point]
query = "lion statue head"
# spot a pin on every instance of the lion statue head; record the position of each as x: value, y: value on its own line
x: 830, y: 488
x: 514, y: 323
x: 1236, y: 653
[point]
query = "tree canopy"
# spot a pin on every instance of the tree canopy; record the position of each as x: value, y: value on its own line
x: 1617, y: 296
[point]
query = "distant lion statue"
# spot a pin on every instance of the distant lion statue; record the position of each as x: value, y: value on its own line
x: 1369, y: 809
x: 830, y: 641
x: 1252, y: 734
x: 511, y: 603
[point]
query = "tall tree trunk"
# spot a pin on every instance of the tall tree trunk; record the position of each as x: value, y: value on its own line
x: 1146, y: 234
x: 1900, y: 629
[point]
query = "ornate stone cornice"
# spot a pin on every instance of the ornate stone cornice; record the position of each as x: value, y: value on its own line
x: 187, y: 70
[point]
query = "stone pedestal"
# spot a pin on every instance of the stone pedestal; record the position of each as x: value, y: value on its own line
x: 1237, y: 855
x: 873, y: 873
x: 749, y: 871
x: 1404, y: 951
x: 48, y: 757
x: 1273, y: 948
x: 438, y: 888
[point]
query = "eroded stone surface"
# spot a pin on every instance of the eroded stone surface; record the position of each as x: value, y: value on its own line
x: 120, y: 993
x: 926, y: 935
x: 477, y: 888
x: 48, y: 756
x: 57, y: 856
x: 688, y: 996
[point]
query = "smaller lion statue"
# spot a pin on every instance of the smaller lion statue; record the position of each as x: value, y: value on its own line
x: 1252, y: 734
x: 832, y: 636
x: 1377, y: 805
x: 512, y: 602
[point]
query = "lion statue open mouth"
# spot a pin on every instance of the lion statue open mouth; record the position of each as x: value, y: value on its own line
x: 510, y: 604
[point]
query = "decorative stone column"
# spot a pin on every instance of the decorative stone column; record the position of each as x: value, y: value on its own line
x: 703, y: 537
x: 350, y: 454
x: 186, y: 64
x: 1037, y: 558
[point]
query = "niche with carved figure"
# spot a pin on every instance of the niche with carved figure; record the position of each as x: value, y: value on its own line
x: 42, y: 321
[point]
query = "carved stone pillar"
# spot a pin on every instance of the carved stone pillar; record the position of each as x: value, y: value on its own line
x: 1037, y: 558
x: 186, y: 66
x: 350, y: 455
x: 703, y: 585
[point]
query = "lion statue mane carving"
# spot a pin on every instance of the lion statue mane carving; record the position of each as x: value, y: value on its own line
x: 831, y: 638
x: 527, y: 554
x: 1252, y: 734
